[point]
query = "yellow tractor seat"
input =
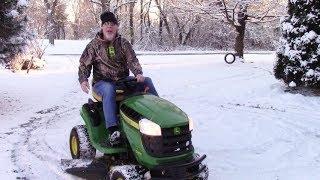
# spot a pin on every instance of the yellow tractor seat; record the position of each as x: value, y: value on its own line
x: 119, y: 95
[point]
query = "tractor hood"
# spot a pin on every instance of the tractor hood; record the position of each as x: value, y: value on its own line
x: 158, y: 110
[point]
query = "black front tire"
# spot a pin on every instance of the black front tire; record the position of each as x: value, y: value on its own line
x: 205, y: 174
x: 80, y: 146
x: 124, y: 172
x: 117, y: 176
x: 229, y: 58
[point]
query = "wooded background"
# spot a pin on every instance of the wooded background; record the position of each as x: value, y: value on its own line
x: 166, y: 24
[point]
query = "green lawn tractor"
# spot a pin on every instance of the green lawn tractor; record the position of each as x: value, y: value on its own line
x: 156, y: 141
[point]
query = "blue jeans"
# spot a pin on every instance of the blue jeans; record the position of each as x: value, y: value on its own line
x: 107, y: 90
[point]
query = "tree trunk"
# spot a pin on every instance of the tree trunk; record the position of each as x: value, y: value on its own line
x: 63, y: 32
x: 131, y: 6
x: 141, y: 18
x: 75, y: 28
x: 50, y: 29
x: 118, y: 8
x: 240, y: 29
x: 239, y: 44
x: 51, y: 38
x: 188, y: 36
x: 164, y: 18
x: 149, y: 21
x: 105, y: 5
x: 160, y: 30
x: 180, y: 29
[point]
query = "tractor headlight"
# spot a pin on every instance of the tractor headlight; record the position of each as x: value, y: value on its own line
x: 150, y: 128
x: 191, y: 126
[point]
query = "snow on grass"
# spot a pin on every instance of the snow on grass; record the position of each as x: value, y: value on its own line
x: 244, y: 121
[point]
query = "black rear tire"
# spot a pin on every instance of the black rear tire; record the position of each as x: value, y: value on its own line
x: 80, y: 146
x: 229, y: 58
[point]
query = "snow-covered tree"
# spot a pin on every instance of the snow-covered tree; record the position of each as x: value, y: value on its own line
x: 298, y: 57
x: 14, y: 34
x: 55, y: 19
x: 237, y: 13
x: 85, y: 21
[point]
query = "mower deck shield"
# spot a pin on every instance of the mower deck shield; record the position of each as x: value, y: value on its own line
x: 187, y: 170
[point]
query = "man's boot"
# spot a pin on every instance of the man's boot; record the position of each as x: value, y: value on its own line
x: 114, y: 136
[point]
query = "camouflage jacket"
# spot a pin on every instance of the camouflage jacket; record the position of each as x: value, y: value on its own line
x: 108, y: 66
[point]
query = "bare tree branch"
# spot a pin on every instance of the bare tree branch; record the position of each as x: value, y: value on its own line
x: 94, y: 2
x: 124, y: 4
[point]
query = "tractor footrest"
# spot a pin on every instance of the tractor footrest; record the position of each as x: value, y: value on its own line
x: 88, y: 169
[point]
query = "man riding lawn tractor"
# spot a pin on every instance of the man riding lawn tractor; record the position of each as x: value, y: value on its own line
x: 141, y: 135
x: 111, y: 57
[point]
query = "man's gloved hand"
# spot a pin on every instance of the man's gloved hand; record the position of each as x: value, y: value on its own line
x: 140, y: 78
x: 85, y: 86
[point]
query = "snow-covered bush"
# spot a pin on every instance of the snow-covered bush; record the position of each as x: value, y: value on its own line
x: 14, y: 35
x: 298, y: 57
x: 27, y: 62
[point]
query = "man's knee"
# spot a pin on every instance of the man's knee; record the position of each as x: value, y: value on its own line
x: 109, y: 88
x: 147, y: 80
x: 106, y: 88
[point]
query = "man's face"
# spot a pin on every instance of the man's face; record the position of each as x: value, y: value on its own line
x: 109, y: 30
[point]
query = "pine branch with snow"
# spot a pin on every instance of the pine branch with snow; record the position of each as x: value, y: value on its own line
x: 298, y: 57
x: 14, y: 35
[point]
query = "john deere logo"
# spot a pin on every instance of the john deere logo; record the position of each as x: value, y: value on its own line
x: 176, y: 131
x: 111, y: 51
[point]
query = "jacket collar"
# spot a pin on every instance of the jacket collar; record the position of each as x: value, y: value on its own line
x: 99, y: 37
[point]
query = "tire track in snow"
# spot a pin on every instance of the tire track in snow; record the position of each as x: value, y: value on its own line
x: 32, y: 146
x: 299, y: 134
x: 306, y: 133
x: 19, y: 146
x: 37, y: 150
x: 277, y: 115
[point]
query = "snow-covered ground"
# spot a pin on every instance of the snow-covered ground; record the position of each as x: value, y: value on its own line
x: 247, y: 125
